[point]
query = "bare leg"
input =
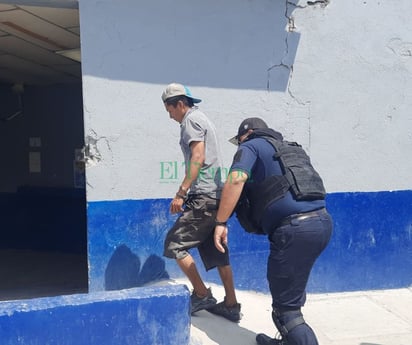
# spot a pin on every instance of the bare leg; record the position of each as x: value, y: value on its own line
x: 188, y: 266
x: 226, y: 276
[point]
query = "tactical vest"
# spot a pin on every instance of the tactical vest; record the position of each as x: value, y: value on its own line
x: 299, y: 177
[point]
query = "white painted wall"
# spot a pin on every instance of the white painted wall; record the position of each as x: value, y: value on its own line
x: 346, y: 96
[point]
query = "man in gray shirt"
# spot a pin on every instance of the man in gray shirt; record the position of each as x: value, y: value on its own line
x: 198, y: 200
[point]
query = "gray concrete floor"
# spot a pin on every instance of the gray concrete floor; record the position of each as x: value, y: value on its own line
x: 382, y: 317
x: 30, y: 274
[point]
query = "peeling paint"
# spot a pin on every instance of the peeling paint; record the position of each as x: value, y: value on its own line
x: 371, y: 238
x: 322, y: 3
x: 92, y: 155
x: 400, y: 48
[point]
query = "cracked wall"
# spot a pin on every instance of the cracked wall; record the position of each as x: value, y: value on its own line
x: 325, y: 73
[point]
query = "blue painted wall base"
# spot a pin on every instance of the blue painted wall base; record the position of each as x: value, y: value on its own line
x: 149, y: 316
x: 371, y: 245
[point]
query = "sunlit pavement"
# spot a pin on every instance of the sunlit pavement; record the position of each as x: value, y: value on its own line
x: 382, y: 317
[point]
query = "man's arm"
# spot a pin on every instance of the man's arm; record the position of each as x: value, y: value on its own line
x: 197, y: 158
x: 230, y: 195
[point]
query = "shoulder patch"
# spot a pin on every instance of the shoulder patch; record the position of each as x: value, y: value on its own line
x: 237, y: 157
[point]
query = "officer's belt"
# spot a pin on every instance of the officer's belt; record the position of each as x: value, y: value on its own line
x: 302, y: 216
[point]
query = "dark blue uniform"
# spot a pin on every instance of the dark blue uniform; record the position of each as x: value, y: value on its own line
x: 298, y: 232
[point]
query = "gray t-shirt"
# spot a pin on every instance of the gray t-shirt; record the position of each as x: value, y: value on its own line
x: 195, y: 126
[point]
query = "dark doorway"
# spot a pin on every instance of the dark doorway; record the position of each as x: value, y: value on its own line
x: 43, y: 226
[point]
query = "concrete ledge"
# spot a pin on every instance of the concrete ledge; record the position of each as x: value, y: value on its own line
x: 146, y: 315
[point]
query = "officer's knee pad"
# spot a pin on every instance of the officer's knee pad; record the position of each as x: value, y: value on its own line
x: 286, y: 321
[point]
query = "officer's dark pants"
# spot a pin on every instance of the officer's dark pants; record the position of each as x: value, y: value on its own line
x: 294, y: 247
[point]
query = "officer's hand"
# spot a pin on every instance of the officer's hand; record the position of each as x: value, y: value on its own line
x: 176, y: 205
x: 220, y: 237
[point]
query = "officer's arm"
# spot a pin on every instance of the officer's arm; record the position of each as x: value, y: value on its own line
x: 231, y: 193
x: 230, y: 196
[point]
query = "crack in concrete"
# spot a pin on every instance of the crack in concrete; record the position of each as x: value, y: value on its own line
x: 290, y: 6
x: 290, y: 28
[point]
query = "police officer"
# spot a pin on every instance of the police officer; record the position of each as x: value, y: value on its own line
x: 298, y: 227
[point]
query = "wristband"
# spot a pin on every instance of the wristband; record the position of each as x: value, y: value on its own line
x: 180, y: 196
x: 220, y: 223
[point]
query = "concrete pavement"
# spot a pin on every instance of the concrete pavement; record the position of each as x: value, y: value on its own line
x: 382, y: 317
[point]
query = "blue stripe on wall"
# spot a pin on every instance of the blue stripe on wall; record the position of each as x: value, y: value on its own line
x: 371, y: 247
